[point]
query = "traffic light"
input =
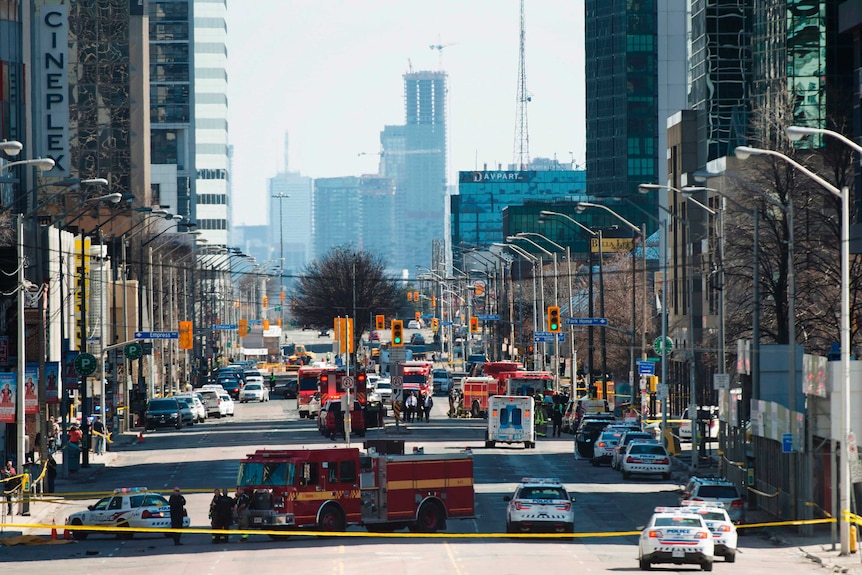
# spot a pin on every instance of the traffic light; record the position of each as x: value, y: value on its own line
x: 186, y: 338
x: 474, y: 324
x: 435, y: 324
x: 379, y: 321
x: 416, y: 296
x: 265, y: 301
x: 433, y: 301
x: 243, y: 327
x: 397, y: 333
x: 554, y: 318
x: 652, y: 383
x: 410, y: 296
x: 417, y: 315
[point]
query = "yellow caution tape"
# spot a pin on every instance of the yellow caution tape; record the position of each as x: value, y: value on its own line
x: 762, y: 494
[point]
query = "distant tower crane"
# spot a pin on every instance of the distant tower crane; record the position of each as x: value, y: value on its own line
x: 522, y: 136
x: 439, y: 47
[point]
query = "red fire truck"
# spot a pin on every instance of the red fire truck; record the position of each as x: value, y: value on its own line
x: 331, y: 489
x: 308, y: 392
x: 417, y: 376
x: 526, y: 383
x: 495, y: 368
x: 476, y: 392
x: 331, y: 385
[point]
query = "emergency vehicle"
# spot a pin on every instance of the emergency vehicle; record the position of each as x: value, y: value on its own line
x: 495, y: 368
x: 676, y: 535
x: 331, y: 489
x: 530, y: 383
x: 510, y: 420
x: 417, y: 376
x: 308, y: 392
x: 476, y: 391
x: 331, y: 385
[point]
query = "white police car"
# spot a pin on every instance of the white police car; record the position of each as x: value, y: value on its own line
x: 677, y: 535
x: 540, y: 505
x: 129, y: 507
x: 724, y: 534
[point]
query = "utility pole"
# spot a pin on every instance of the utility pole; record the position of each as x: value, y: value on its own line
x: 281, y: 197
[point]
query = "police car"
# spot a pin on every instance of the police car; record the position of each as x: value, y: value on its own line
x: 723, y: 530
x: 540, y: 505
x: 677, y: 535
x: 128, y: 507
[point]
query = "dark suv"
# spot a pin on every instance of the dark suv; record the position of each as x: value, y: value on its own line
x: 231, y: 382
x: 164, y: 412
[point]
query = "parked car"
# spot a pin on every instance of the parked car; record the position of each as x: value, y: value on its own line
x: 716, y: 490
x: 163, y: 412
x: 417, y: 338
x: 187, y: 409
x: 226, y: 405
x: 626, y: 438
x: 678, y: 536
x: 211, y: 400
x: 414, y: 324
x: 127, y: 507
x: 231, y: 384
x: 724, y: 534
x: 253, y: 375
x: 383, y: 389
x: 645, y: 459
x: 540, y: 505
x: 706, y: 416
x: 603, y: 450
x: 253, y: 391
x: 442, y: 381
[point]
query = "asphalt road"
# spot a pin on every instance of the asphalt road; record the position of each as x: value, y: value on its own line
x: 206, y: 456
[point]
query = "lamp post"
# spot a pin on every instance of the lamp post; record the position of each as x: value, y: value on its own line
x: 281, y: 197
x: 41, y: 164
x: 541, y: 283
x: 796, y: 132
x: 528, y: 256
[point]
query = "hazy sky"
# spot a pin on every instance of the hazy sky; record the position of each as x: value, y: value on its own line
x: 329, y: 72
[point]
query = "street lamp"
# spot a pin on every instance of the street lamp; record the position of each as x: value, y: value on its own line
x: 533, y: 259
x: 795, y: 133
x: 11, y: 147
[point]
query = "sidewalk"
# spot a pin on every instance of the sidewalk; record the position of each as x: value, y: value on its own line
x: 47, y: 507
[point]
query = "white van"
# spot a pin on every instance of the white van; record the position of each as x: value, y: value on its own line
x: 510, y: 420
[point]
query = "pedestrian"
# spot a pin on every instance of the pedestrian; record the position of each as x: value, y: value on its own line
x: 221, y: 514
x: 177, y: 504
x: 243, y: 514
x: 271, y: 383
x: 452, y: 393
x: 557, y: 418
x: 99, y: 432
x: 410, y: 407
x: 50, y: 473
x: 427, y: 405
x: 10, y: 484
x: 74, y: 449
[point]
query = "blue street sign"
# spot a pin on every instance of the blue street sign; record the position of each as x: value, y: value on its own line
x: 224, y: 326
x: 255, y: 322
x: 445, y: 323
x: 561, y: 337
x: 586, y: 321
x: 489, y: 317
x: 543, y: 337
x: 786, y: 443
x: 646, y: 368
x: 157, y: 335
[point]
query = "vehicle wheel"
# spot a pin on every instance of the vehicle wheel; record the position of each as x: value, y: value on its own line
x: 475, y: 410
x: 665, y: 476
x: 730, y: 558
x: 644, y: 564
x: 706, y: 566
x: 490, y: 444
x: 125, y: 535
x: 79, y: 535
x: 626, y: 474
x: 180, y: 425
x: 331, y: 519
x: 430, y: 519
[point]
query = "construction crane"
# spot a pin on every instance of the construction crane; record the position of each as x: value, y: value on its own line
x: 439, y: 47
x: 522, y: 136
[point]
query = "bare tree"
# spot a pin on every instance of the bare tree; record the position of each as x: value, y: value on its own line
x: 344, y: 282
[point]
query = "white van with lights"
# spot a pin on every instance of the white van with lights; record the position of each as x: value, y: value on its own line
x: 510, y: 420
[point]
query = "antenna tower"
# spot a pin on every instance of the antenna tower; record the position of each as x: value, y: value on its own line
x: 522, y: 135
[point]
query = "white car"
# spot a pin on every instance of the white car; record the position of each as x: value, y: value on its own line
x: 724, y: 535
x: 126, y: 508
x: 414, y: 324
x: 626, y: 438
x: 383, y: 389
x: 541, y: 505
x: 226, y: 405
x: 253, y: 392
x: 676, y: 535
x: 645, y: 459
x: 253, y: 375
x: 200, y: 410
x: 603, y: 448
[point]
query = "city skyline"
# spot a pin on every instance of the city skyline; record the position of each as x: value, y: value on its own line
x: 349, y: 85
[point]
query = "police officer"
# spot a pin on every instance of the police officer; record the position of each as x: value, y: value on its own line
x: 242, y: 502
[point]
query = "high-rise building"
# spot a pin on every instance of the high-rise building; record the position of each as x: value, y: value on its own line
x: 635, y: 79
x: 211, y: 201
x: 414, y: 155
x: 377, y: 195
x: 171, y: 105
x: 337, y: 214
x: 290, y: 216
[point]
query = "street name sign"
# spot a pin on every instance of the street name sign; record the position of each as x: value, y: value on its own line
x: 157, y: 335
x: 224, y: 326
x: 646, y: 368
x: 586, y: 321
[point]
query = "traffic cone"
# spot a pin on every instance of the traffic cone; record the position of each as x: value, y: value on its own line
x: 67, y: 534
x: 53, y: 530
x: 140, y: 437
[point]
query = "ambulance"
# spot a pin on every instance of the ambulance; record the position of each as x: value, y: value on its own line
x: 510, y: 420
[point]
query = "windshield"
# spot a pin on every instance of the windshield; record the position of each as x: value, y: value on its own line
x: 521, y: 386
x: 645, y: 448
x: 678, y: 522
x: 308, y: 383
x: 383, y: 385
x: 252, y: 386
x: 542, y: 493
x: 414, y: 378
x: 163, y: 404
x: 718, y: 491
x: 253, y: 374
x: 266, y: 474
